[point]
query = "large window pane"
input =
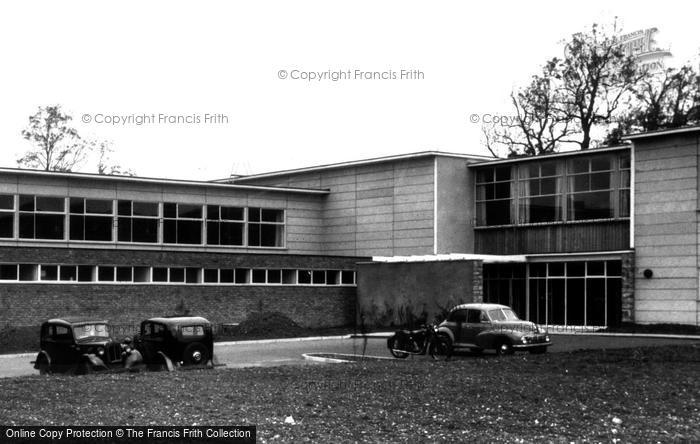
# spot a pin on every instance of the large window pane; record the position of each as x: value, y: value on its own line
x: 7, y: 202
x: 7, y: 224
x: 595, y: 294
x: 575, y: 301
x: 98, y: 228
x: 145, y: 230
x: 189, y: 232
x: 52, y: 204
x: 49, y: 226
x: 614, y: 302
x: 493, y: 196
x: 556, y: 304
x: 595, y: 205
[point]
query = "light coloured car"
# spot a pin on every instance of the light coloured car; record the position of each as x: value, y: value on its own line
x: 480, y: 326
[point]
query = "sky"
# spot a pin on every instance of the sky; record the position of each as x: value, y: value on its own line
x: 203, y: 90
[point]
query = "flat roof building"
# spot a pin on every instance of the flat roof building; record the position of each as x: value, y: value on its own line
x: 584, y: 238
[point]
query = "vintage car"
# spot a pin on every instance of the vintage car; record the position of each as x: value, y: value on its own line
x: 480, y: 327
x: 81, y: 346
x: 174, y: 341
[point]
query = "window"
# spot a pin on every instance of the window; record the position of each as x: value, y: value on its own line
x: 493, y: 196
x: 539, y: 191
x: 289, y: 277
x: 8, y: 272
x: 319, y: 277
x: 49, y: 273
x: 192, y: 275
x: 28, y: 272
x: 192, y: 330
x: 575, y: 293
x: 458, y: 316
x: 142, y: 274
x: 105, y: 274
x: 91, y: 219
x: 7, y: 215
x: 242, y: 276
x: 121, y: 274
x: 259, y: 276
x: 69, y: 273
x: 86, y: 273
x: 137, y: 221
x: 265, y: 227
x: 41, y: 217
x: 182, y: 224
x: 625, y: 185
x: 211, y: 275
x: 333, y: 277
x: 590, y: 188
x: 225, y: 225
x: 304, y: 277
x: 160, y: 274
x: 125, y: 274
x: 226, y: 276
x: 474, y: 316
x: 348, y: 277
x: 177, y: 274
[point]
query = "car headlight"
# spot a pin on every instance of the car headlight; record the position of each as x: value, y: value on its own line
x: 524, y: 339
x: 100, y: 351
x: 546, y: 338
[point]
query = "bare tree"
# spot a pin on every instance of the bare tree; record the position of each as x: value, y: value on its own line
x: 105, y: 165
x: 596, y: 78
x: 540, y: 124
x: 56, y: 145
x: 669, y: 99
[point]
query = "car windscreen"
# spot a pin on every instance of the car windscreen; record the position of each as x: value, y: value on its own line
x: 497, y: 315
x: 90, y: 331
x: 510, y: 315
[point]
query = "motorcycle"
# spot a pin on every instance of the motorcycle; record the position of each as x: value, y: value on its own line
x: 417, y: 342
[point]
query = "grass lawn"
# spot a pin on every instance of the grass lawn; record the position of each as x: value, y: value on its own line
x: 643, y: 394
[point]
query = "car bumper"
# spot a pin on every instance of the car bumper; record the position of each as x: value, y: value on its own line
x: 529, y: 346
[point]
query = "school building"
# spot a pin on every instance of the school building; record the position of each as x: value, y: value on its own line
x: 582, y: 238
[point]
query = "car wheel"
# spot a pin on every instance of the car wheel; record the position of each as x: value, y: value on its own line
x: 538, y: 350
x: 391, y: 343
x: 504, y: 347
x: 195, y: 354
x: 44, y: 368
x: 84, y: 368
x: 440, y: 348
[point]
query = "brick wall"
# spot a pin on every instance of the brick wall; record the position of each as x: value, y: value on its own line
x: 23, y: 304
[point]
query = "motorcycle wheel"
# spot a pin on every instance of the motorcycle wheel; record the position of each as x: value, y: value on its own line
x: 440, y: 348
x: 391, y: 343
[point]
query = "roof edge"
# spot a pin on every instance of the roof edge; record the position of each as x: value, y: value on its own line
x: 662, y: 132
x: 552, y: 155
x: 161, y: 181
x: 353, y: 163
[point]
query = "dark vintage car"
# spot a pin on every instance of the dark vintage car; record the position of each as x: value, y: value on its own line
x: 174, y: 341
x: 480, y: 327
x: 82, y: 346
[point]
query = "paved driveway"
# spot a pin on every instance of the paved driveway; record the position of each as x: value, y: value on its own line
x: 258, y: 354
